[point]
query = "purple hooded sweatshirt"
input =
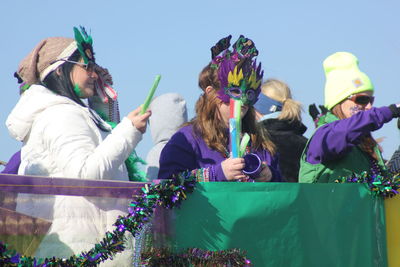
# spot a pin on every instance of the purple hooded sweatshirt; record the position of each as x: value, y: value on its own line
x: 334, y: 140
x: 185, y: 151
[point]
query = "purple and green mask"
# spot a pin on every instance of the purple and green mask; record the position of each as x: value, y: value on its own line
x: 239, y: 75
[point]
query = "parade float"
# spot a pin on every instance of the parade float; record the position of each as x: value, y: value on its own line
x: 183, y: 222
x: 352, y: 223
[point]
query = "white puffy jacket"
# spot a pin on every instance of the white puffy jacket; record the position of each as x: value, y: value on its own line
x: 60, y: 139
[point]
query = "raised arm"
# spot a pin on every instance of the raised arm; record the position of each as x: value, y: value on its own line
x: 335, y: 139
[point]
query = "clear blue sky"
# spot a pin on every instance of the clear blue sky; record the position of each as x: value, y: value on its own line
x: 136, y: 40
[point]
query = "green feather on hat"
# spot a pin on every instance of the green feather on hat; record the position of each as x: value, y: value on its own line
x: 85, y: 44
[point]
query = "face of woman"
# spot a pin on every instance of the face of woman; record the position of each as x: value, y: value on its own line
x: 224, y: 111
x: 356, y: 103
x: 84, y: 78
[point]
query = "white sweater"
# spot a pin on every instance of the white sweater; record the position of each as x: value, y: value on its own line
x: 60, y: 139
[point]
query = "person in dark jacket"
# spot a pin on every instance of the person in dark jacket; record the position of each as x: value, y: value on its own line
x: 281, y: 116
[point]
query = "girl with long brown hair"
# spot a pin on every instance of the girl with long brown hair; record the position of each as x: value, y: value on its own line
x: 202, y: 145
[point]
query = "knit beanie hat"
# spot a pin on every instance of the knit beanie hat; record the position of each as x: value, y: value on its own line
x: 343, y: 78
x: 42, y: 60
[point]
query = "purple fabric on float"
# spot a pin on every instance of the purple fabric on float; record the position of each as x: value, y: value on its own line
x: 185, y: 151
x: 69, y: 186
x: 13, y: 164
x: 336, y: 139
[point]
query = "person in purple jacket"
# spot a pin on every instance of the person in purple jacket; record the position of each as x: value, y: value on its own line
x: 343, y: 145
x: 201, y: 146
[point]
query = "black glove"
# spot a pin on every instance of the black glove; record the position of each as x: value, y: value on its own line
x: 323, y: 109
x: 395, y: 109
x: 313, y: 111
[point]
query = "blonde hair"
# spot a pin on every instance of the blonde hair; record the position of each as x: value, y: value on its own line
x: 208, y: 125
x: 280, y: 91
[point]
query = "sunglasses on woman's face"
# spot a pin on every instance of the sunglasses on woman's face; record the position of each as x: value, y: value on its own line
x: 362, y: 100
x: 89, y: 67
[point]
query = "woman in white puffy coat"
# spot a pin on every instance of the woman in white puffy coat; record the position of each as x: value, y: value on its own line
x: 63, y: 137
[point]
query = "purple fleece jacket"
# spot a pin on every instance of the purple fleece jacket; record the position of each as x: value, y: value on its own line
x: 185, y: 151
x: 334, y: 140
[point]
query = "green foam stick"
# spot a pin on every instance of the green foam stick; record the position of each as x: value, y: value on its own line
x: 243, y: 144
x: 151, y: 94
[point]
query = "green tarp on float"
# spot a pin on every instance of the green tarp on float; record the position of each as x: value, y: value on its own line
x: 281, y: 224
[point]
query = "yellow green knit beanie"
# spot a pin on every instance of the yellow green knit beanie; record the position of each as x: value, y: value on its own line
x: 343, y: 78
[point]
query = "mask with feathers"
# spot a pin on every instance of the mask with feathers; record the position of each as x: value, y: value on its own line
x: 238, y: 73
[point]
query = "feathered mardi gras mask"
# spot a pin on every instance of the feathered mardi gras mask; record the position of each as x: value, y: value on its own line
x: 84, y: 43
x: 239, y: 75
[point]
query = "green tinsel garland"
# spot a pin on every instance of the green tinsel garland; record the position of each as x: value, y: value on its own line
x: 386, y: 185
x: 164, y: 257
x: 168, y: 194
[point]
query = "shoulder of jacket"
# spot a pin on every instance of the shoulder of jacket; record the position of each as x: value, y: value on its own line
x: 65, y: 111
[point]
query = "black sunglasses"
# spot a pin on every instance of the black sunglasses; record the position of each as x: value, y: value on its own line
x: 362, y: 99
